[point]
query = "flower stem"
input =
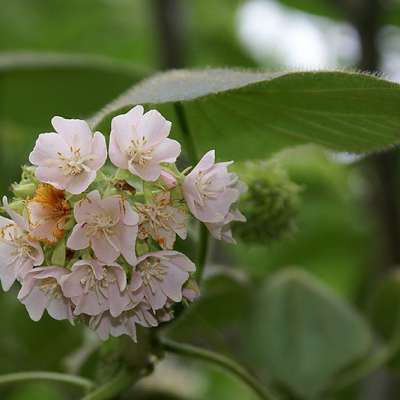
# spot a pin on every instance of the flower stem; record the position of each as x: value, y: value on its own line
x: 220, y: 360
x: 202, y: 251
x: 121, y: 382
x: 194, y: 158
x: 46, y: 376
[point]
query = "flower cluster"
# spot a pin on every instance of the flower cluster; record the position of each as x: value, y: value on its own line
x: 92, y: 240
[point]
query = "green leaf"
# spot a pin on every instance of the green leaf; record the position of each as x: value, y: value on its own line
x: 302, y: 334
x: 247, y: 114
x: 35, y: 87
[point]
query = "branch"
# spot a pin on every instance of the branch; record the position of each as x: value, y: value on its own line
x: 46, y: 376
x: 220, y: 360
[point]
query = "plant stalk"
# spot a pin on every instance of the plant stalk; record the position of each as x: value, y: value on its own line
x: 121, y: 382
x: 224, y: 362
x: 46, y: 376
x: 202, y: 251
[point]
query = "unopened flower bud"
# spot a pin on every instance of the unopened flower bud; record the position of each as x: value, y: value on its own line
x: 17, y: 205
x: 168, y: 179
x: 27, y: 185
x: 270, y: 204
x: 23, y: 190
x: 191, y: 290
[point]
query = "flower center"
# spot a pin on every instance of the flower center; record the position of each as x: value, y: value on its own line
x: 204, y: 186
x: 50, y: 287
x: 138, y: 153
x: 101, y: 223
x: 11, y: 235
x: 24, y: 249
x: 98, y: 286
x: 156, y: 215
x: 150, y: 269
x: 74, y: 164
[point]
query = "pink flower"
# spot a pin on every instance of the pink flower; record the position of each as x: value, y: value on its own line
x: 222, y: 230
x: 161, y: 221
x: 139, y: 143
x: 161, y: 275
x: 209, y: 189
x: 105, y: 325
x: 108, y: 225
x: 41, y: 290
x: 18, y: 253
x: 95, y: 287
x: 69, y: 159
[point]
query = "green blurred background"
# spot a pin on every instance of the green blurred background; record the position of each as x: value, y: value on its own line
x: 346, y: 228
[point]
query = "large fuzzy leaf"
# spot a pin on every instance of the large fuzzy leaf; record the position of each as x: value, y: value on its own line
x: 247, y: 114
x: 303, y: 334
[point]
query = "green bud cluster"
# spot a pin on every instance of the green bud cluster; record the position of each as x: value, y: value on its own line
x: 270, y: 204
x: 27, y: 185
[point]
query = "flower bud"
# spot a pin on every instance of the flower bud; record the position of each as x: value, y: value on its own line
x: 191, y: 290
x: 17, y: 205
x: 168, y: 179
x: 270, y: 204
x: 28, y: 173
x: 23, y: 190
x: 27, y: 185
